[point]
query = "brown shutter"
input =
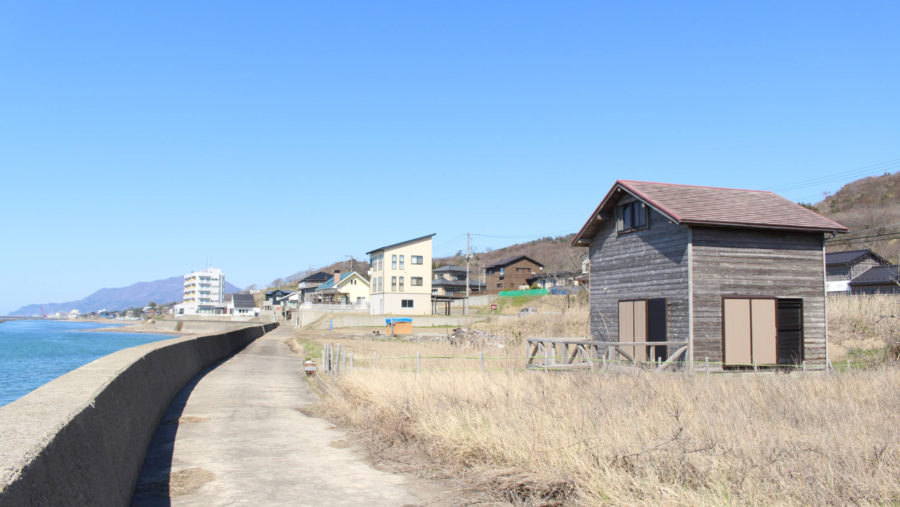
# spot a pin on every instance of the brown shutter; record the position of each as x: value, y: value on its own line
x: 626, y: 325
x: 737, y: 331
x: 763, y: 331
x: 640, y: 330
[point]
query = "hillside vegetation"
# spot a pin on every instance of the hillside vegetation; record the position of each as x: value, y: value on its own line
x: 869, y: 204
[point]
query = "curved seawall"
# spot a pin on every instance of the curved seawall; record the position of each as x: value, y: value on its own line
x: 81, y: 439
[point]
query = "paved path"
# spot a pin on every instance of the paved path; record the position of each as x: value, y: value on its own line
x: 236, y: 436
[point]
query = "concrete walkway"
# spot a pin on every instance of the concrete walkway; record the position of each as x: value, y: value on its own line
x: 236, y: 436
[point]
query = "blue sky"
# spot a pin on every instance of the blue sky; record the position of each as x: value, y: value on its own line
x: 140, y: 140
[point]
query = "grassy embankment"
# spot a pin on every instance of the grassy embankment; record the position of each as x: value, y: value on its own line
x: 581, y: 438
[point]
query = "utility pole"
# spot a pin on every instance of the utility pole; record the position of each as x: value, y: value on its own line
x: 468, y: 257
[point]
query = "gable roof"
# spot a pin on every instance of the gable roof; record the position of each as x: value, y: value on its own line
x: 710, y: 206
x: 244, y: 300
x: 510, y: 260
x: 321, y: 276
x: 450, y: 268
x: 878, y: 275
x: 848, y: 256
x: 429, y: 236
x: 330, y: 283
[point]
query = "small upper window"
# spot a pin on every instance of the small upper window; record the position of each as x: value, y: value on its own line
x: 631, y: 216
x: 415, y: 259
x: 394, y: 261
x: 401, y: 263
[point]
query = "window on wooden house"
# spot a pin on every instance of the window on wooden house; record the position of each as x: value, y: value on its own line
x: 631, y: 217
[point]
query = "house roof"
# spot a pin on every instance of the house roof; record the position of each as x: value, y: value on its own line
x: 244, y: 300
x: 849, y: 256
x: 449, y: 269
x: 511, y: 260
x: 878, y: 275
x: 330, y: 283
x: 710, y: 206
x: 456, y: 283
x: 321, y: 276
x: 429, y: 236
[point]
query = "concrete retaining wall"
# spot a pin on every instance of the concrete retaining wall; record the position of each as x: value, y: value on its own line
x: 81, y: 439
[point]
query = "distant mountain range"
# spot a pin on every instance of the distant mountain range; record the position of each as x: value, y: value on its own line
x: 135, y: 295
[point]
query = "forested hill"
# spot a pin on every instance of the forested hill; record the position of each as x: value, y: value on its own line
x: 872, y: 205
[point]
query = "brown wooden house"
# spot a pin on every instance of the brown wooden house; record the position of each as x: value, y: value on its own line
x: 737, y: 275
x: 511, y: 273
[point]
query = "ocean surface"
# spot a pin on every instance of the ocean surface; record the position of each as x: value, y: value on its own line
x: 34, y: 352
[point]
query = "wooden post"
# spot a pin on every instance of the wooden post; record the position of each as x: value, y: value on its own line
x: 707, y: 364
x: 323, y: 359
x: 804, y: 365
x: 848, y: 364
x: 755, y: 366
x: 552, y: 353
x: 482, y: 360
x: 351, y: 360
x: 418, y: 362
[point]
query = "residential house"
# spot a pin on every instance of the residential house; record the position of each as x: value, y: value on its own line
x: 843, y: 267
x: 553, y: 280
x: 274, y: 299
x: 877, y: 280
x: 739, y: 275
x: 511, y: 274
x: 307, y: 286
x: 400, y: 278
x: 584, y: 277
x: 347, y: 288
x: 241, y: 304
x: 451, y: 281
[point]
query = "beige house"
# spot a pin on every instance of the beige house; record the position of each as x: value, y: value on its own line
x: 400, y: 278
x: 347, y: 288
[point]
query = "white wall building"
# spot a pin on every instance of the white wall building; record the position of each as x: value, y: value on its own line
x: 400, y: 278
x: 204, y: 293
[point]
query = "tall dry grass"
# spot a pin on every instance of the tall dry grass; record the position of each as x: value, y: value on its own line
x: 641, y: 439
x: 864, y: 317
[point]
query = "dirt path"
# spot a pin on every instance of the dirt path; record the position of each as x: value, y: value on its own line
x: 237, y: 435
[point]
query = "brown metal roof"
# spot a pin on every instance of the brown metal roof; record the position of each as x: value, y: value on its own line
x: 711, y: 206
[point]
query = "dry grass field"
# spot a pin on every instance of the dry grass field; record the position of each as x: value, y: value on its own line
x: 580, y: 438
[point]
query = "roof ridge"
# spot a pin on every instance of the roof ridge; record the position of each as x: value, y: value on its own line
x: 701, y: 186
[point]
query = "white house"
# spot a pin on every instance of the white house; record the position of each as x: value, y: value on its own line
x: 400, y: 278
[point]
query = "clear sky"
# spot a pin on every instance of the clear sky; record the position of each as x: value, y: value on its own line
x: 140, y: 139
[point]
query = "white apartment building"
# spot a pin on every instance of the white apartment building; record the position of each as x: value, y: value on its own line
x: 400, y: 278
x: 204, y: 293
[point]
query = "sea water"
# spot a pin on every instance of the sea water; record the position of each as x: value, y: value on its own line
x: 34, y: 352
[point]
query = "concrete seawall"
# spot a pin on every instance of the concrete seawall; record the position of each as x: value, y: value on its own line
x: 81, y: 439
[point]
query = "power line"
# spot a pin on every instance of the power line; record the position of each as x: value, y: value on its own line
x: 869, y: 170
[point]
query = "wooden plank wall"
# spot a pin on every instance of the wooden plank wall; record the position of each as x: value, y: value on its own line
x: 746, y: 263
x: 645, y: 264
